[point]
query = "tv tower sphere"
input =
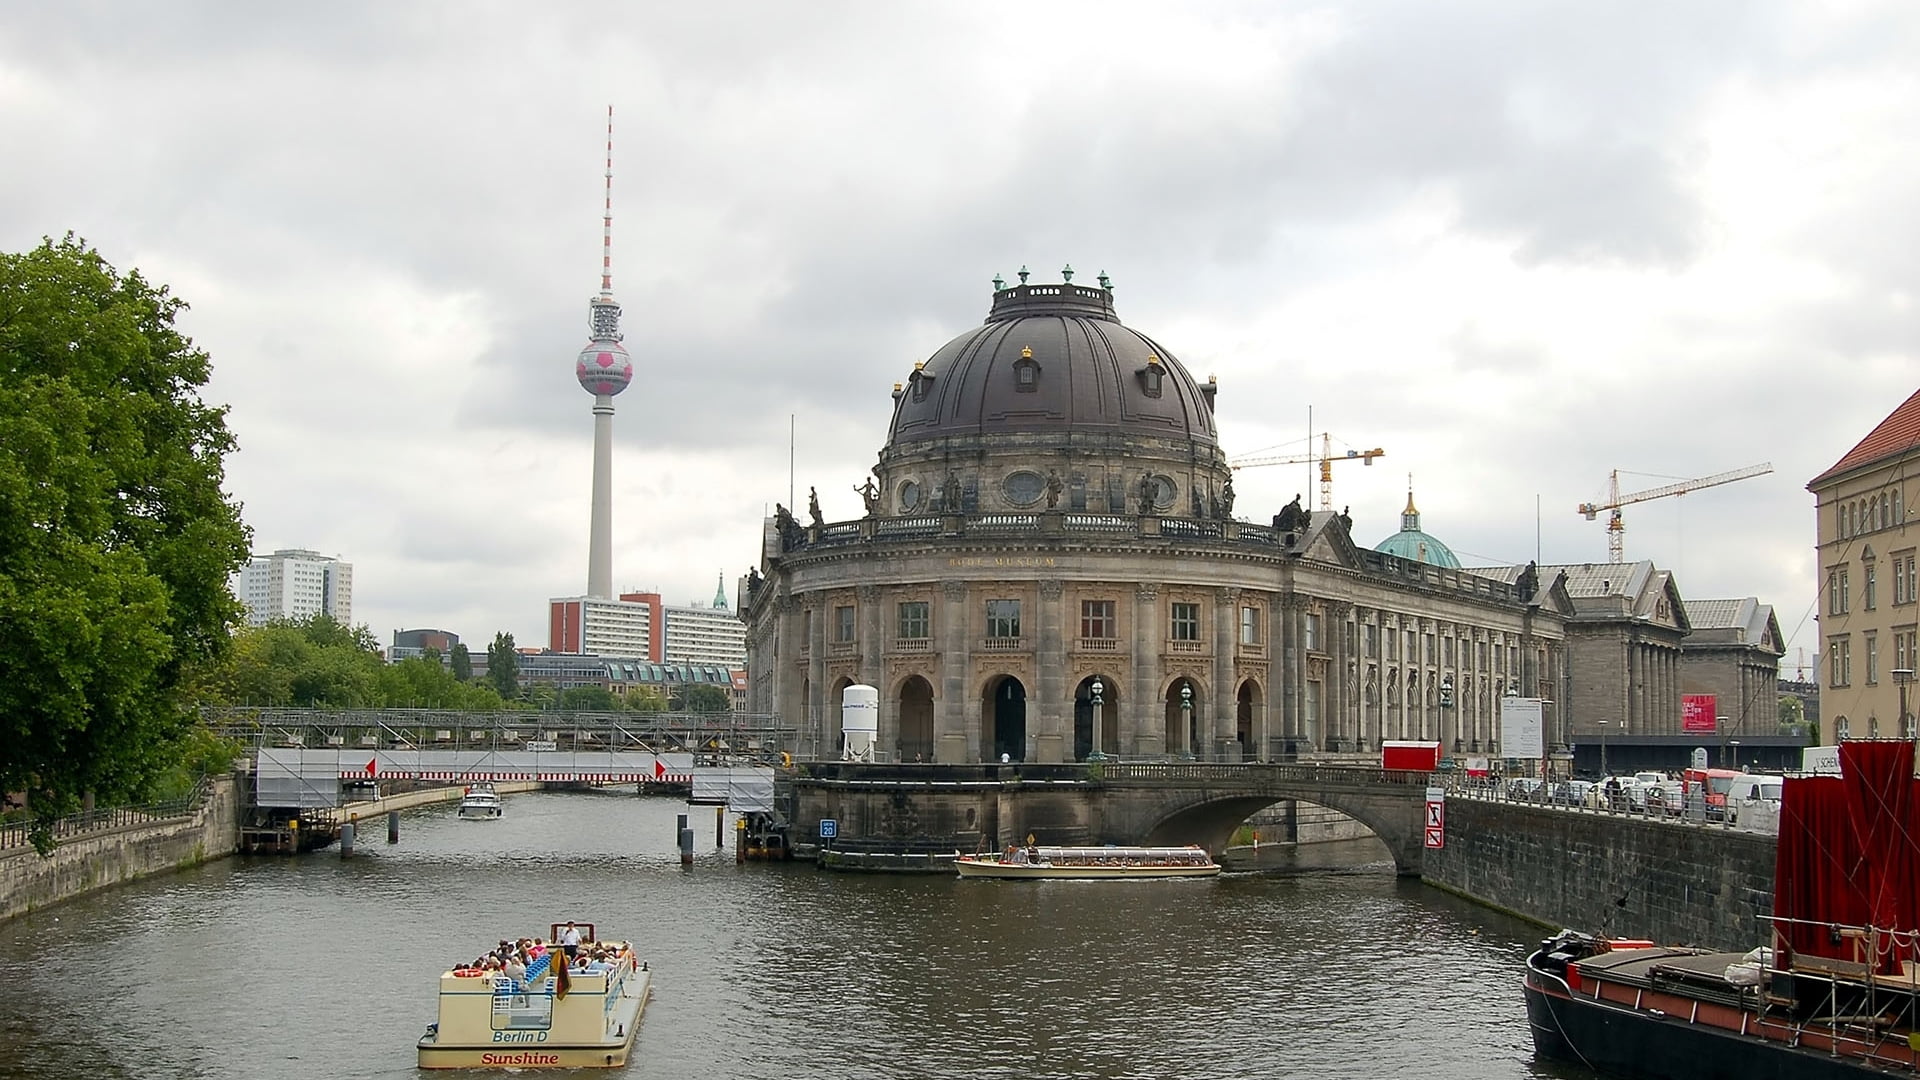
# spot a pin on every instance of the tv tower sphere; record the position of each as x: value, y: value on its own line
x: 604, y: 368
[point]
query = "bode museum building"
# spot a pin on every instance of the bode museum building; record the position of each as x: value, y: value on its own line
x: 1051, y: 568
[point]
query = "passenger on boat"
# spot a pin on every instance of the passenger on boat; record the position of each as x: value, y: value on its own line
x: 570, y: 940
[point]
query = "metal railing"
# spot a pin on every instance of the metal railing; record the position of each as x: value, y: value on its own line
x: 19, y: 834
x: 1692, y: 811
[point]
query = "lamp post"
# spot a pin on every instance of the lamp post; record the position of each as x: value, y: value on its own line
x: 1720, y: 725
x: 1902, y: 678
x: 1736, y: 752
x: 1186, y: 719
x: 1603, y: 751
x: 1098, y: 688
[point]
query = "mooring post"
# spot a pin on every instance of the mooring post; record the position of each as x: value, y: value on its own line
x: 686, y: 842
x: 740, y: 839
x: 393, y: 826
x: 346, y: 840
x: 719, y: 828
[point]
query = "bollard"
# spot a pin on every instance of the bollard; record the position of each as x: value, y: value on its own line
x: 686, y: 847
x: 346, y: 840
x: 679, y: 826
x: 719, y: 827
x: 740, y: 839
x: 393, y: 826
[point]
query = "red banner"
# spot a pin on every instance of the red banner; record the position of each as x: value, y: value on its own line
x: 1697, y: 713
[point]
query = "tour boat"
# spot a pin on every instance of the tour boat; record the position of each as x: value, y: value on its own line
x: 1090, y: 862
x: 1836, y: 995
x: 481, y: 803
x: 579, y: 1020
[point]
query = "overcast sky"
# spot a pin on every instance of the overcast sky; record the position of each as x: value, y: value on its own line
x: 1515, y: 245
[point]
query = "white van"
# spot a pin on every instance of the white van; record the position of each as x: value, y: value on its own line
x: 1750, y: 788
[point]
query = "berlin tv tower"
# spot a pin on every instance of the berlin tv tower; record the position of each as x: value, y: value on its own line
x: 604, y: 370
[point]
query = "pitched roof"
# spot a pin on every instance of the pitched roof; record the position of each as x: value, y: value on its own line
x: 1708, y: 614
x: 1898, y: 433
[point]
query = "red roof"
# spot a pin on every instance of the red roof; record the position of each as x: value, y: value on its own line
x: 1898, y: 433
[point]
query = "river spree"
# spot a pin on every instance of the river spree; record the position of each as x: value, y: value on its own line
x: 320, y: 967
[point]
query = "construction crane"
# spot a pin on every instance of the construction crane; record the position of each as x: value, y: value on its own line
x: 1325, y: 457
x: 1616, y: 531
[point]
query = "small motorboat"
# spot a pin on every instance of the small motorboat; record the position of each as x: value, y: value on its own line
x: 481, y: 803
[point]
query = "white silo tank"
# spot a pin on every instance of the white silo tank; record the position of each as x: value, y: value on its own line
x: 859, y: 721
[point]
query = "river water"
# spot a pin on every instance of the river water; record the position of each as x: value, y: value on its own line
x: 283, y: 969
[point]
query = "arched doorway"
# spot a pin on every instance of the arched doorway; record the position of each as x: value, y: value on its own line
x: 916, y: 720
x: 1246, y: 709
x: 1183, y: 720
x: 1083, y: 717
x: 836, y: 726
x: 1004, y: 720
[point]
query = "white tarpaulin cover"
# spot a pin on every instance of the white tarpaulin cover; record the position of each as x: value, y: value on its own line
x: 743, y: 788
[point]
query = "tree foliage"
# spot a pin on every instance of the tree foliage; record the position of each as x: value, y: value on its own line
x: 317, y: 663
x: 704, y: 698
x: 462, y: 663
x: 116, y: 541
x: 503, y: 666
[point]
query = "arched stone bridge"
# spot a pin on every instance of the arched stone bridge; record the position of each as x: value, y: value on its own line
x: 931, y: 806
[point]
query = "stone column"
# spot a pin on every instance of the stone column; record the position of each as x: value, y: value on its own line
x: 1337, y: 708
x: 827, y: 735
x: 1050, y: 739
x: 872, y: 646
x: 1289, y: 665
x: 1226, y: 619
x: 1143, y: 722
x: 951, y: 741
x: 785, y: 648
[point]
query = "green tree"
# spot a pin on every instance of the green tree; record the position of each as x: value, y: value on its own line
x: 588, y: 699
x: 702, y: 697
x: 503, y: 666
x: 462, y: 663
x: 116, y: 540
x: 1792, y: 711
x: 646, y: 699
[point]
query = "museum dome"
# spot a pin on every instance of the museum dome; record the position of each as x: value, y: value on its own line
x: 1052, y: 359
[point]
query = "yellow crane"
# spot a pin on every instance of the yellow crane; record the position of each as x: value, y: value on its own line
x: 1325, y: 457
x: 1616, y: 530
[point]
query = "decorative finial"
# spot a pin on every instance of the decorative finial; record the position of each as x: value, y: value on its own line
x: 999, y: 283
x: 1152, y: 359
x: 1066, y: 273
x: 1023, y: 275
x: 1105, y: 281
x: 1026, y: 352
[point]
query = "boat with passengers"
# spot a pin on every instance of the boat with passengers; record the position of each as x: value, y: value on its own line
x: 1837, y: 992
x: 481, y: 803
x: 523, y: 1005
x: 1043, y: 861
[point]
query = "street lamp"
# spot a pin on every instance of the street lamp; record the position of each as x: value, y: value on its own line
x: 1736, y: 753
x: 1903, y: 677
x: 1603, y: 750
x: 1098, y: 688
x: 1720, y: 725
x: 1186, y: 718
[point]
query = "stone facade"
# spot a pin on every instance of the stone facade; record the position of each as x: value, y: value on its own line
x: 1051, y: 570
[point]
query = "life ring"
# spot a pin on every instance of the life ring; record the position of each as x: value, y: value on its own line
x: 468, y: 973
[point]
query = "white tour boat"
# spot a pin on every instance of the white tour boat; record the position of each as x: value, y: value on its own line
x: 1036, y: 861
x: 584, y: 1019
x: 481, y: 803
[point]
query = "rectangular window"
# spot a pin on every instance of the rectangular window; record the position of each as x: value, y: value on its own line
x: 1185, y: 623
x: 843, y: 623
x: 1249, y: 626
x: 1837, y: 602
x: 1393, y: 643
x: 1446, y: 648
x: 1867, y: 577
x: 916, y: 621
x: 1413, y: 647
x: 1871, y: 642
x: 1433, y: 650
x: 1839, y: 661
x: 1904, y: 585
x: 1480, y: 654
x: 1310, y: 630
x: 1003, y: 618
x: 1097, y: 620
x: 1311, y: 709
x: 1371, y: 638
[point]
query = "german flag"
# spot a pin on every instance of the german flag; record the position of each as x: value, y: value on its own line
x: 562, y: 976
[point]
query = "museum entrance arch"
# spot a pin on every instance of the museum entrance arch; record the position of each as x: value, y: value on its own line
x: 1083, y: 717
x: 836, y: 715
x: 1183, y: 725
x: 1246, y: 720
x: 1004, y: 721
x: 916, y: 720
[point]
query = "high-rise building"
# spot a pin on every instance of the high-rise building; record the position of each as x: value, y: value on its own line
x: 294, y: 583
x: 640, y: 625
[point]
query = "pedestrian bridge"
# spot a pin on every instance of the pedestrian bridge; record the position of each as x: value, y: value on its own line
x: 1134, y: 803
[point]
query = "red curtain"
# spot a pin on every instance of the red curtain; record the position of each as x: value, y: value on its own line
x: 1813, y: 877
x: 1849, y: 857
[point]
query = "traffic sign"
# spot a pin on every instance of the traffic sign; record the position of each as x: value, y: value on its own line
x: 1436, y: 815
x: 1436, y: 838
x: 829, y: 828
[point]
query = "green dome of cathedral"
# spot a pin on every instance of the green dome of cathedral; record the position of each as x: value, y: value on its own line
x: 1414, y: 545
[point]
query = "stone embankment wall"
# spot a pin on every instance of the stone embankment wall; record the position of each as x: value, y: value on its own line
x: 1671, y: 882
x: 85, y: 863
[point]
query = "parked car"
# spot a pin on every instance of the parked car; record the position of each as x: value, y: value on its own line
x: 1525, y: 788
x: 1643, y: 782
x: 1665, y: 795
x: 1570, y: 793
x: 1615, y: 792
x: 1749, y: 788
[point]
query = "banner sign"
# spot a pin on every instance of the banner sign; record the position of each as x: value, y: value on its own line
x: 1697, y: 712
x: 1521, y: 733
